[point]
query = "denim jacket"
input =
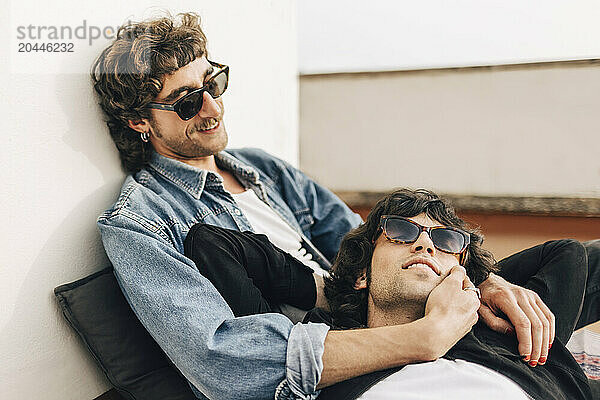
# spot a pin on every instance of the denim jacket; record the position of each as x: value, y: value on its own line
x: 259, y: 356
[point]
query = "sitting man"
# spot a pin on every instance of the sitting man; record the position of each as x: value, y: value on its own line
x: 163, y: 102
x: 391, y: 271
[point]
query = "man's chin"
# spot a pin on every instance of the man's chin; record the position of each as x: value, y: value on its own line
x: 207, y: 144
x: 428, y: 286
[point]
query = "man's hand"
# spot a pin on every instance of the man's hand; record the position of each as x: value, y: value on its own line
x: 453, y: 309
x: 450, y: 312
x: 531, y: 319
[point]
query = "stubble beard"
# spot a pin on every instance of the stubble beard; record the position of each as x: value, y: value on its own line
x: 191, y: 144
x: 400, y: 297
x: 400, y: 294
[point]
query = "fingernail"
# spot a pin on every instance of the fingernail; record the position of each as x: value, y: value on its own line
x: 527, y: 357
x: 509, y: 331
x: 550, y: 346
x: 533, y: 363
x: 542, y: 360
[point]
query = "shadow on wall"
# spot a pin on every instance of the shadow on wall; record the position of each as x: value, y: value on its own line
x: 72, y: 251
x: 88, y: 133
x: 37, y: 341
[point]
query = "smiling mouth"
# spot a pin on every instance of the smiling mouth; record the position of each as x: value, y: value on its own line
x: 211, y: 127
x: 421, y: 264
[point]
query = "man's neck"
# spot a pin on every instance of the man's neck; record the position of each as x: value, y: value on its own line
x: 230, y: 182
x: 207, y: 163
x: 397, y: 315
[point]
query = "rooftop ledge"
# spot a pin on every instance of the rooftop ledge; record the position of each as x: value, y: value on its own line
x: 550, y: 206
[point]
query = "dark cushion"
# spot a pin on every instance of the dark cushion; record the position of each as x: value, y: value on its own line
x: 124, y: 350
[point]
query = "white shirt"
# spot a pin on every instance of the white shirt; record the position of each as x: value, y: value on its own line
x: 447, y: 380
x: 266, y: 221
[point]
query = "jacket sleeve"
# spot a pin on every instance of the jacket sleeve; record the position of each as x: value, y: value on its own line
x: 222, y: 356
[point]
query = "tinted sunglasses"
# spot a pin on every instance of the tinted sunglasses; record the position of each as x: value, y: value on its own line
x: 398, y: 229
x: 190, y: 104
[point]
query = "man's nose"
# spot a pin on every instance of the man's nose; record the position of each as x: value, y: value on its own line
x: 423, y: 244
x: 210, y: 107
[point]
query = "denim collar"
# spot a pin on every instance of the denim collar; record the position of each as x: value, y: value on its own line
x: 195, y: 180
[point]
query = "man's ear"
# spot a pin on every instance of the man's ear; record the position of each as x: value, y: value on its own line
x: 139, y: 126
x: 361, y: 281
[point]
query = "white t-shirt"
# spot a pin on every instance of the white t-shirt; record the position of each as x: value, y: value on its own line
x: 447, y: 380
x: 266, y: 221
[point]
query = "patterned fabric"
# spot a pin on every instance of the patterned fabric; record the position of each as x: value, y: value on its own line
x: 585, y: 347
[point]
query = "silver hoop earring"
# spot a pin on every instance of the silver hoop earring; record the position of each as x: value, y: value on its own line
x: 145, y: 136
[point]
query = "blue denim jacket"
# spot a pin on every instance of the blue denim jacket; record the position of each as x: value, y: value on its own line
x: 221, y: 356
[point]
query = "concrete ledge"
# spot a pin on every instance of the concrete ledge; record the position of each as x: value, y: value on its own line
x: 499, y: 67
x: 553, y: 206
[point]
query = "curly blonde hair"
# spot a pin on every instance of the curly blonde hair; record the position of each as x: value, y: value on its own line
x: 128, y: 75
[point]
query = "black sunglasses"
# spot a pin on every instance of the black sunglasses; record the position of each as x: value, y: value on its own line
x: 190, y: 104
x: 398, y: 229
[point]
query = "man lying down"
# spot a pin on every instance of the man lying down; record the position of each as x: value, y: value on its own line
x: 387, y: 272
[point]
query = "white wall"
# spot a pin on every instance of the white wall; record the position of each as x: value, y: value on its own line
x: 60, y: 169
x: 526, y: 130
x: 356, y: 35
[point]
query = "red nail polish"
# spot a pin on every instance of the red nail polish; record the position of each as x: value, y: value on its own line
x: 542, y: 360
x: 550, y: 346
x: 527, y: 357
x: 533, y: 363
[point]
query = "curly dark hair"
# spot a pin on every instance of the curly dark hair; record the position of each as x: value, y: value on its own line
x: 348, y: 305
x: 128, y: 75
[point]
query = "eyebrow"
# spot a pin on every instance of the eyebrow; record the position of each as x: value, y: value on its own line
x: 176, y: 92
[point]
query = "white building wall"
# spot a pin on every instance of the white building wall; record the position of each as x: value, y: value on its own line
x: 417, y: 118
x: 60, y: 169
x: 518, y: 131
x: 380, y: 35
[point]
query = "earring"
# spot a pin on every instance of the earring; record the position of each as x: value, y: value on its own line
x: 145, y: 136
x: 361, y: 282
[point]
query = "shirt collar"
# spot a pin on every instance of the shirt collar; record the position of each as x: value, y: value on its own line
x: 194, y: 180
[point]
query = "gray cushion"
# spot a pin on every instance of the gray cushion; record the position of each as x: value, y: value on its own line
x: 130, y: 358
